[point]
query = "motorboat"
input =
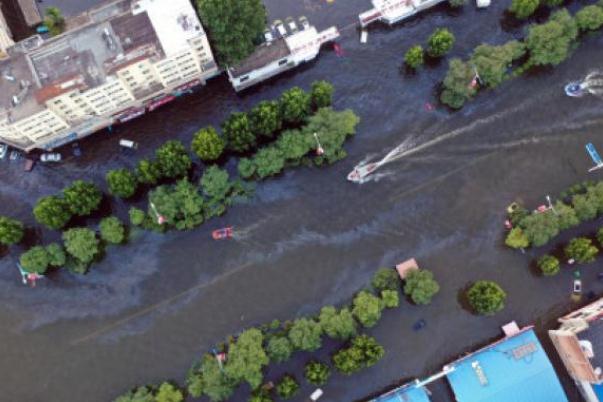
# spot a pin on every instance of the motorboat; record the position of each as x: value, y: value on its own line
x: 574, y: 89
x: 222, y: 234
x: 361, y: 172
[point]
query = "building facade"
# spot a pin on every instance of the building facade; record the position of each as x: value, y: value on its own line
x: 393, y: 11
x: 116, y: 62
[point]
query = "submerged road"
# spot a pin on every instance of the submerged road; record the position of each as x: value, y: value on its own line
x: 150, y: 308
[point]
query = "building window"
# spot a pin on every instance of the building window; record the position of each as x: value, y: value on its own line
x: 282, y: 62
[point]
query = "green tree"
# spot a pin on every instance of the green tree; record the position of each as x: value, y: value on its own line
x: 541, y: 227
x: 486, y: 297
x: 265, y: 119
x: 174, y: 161
x: 194, y: 381
x: 246, y: 168
x: 367, y: 308
x: 317, y: 373
x: 121, y: 182
x: 295, y: 105
x: 371, y: 351
x: 246, y: 358
x: 268, y: 161
x: 420, y: 286
x: 82, y: 197
x: 168, y: 393
x: 549, y: 265
x: 54, y: 20
x: 305, y: 334
x: 440, y: 42
x: 139, y: 394
x: 52, y: 212
x: 517, y: 239
x: 214, y: 382
x: 600, y: 236
x: 566, y: 216
x: 337, y: 324
x: 279, y: 349
x: 363, y: 352
x: 457, y: 3
x: 333, y: 129
x: 207, y: 144
x: 81, y: 244
x: 56, y: 255
x: 414, y: 57
x: 215, y: 183
x: 584, y: 207
x: 181, y: 205
x: 581, y: 249
x: 137, y: 216
x: 148, y: 172
x: 523, y: 8
x: 589, y: 18
x: 386, y: 279
x: 287, y: 387
x: 11, y: 231
x: 553, y: 3
x: 550, y: 43
x: 493, y: 62
x: 112, y: 230
x: 35, y: 260
x: 238, y: 133
x: 233, y: 27
x: 390, y: 298
x: 348, y: 361
x: 294, y: 145
x: 457, y: 84
x: 260, y: 395
x: 322, y: 94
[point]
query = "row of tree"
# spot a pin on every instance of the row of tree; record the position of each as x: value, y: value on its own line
x: 580, y: 250
x: 546, y: 44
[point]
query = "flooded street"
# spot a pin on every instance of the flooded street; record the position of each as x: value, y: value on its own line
x: 312, y: 238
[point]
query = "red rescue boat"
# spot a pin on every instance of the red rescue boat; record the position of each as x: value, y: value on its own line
x: 222, y: 234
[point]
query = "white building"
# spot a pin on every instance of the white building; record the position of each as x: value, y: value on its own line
x: 279, y: 55
x: 392, y: 11
x: 119, y: 60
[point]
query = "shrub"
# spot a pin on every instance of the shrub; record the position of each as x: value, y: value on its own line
x: 550, y: 43
x: 11, y: 231
x: 260, y: 395
x: 390, y: 298
x: 269, y: 161
x: 541, y: 227
x: 122, y: 183
x: 279, y: 349
x: 287, y: 387
x: 493, y: 62
x: 168, y: 393
x: 137, y: 216
x: 246, y: 358
x: 180, y: 205
x: 420, y: 286
x: 486, y: 297
x: 414, y: 56
x: 549, y: 265
x: 386, y: 279
x: 56, y: 255
x: 82, y: 197
x: 112, y: 230
x: 523, y: 8
x: 207, y: 144
x: 173, y: 159
x: 317, y: 373
x: 581, y: 249
x: 440, y: 42
x: 367, y: 309
x: 52, y: 212
x: 589, y: 18
x: 457, y: 3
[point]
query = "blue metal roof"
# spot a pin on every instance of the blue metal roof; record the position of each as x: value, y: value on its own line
x: 406, y: 393
x: 514, y: 370
x: 598, y: 388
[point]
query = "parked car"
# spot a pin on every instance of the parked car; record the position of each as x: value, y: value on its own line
x: 50, y: 157
x: 280, y: 28
x: 305, y: 24
x: 291, y: 25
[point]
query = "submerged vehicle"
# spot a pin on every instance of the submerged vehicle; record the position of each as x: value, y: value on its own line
x: 51, y: 157
x: 221, y: 234
x: 361, y: 172
x: 575, y: 89
x: 3, y: 151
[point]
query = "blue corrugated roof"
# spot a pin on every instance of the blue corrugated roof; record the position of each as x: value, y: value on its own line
x: 494, y: 374
x: 406, y: 393
x: 598, y: 388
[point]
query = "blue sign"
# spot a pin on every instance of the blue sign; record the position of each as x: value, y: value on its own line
x: 594, y: 155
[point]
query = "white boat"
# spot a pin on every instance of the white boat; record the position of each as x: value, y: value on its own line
x: 361, y: 172
x: 575, y: 89
x: 3, y: 151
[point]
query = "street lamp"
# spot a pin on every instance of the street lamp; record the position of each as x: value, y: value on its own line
x: 548, y: 199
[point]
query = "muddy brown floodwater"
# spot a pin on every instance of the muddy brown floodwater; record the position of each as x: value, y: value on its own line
x: 149, y: 309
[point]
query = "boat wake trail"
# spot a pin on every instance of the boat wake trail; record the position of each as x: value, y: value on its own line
x: 591, y: 84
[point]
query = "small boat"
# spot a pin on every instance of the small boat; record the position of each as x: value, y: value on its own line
x: 361, y: 172
x: 574, y: 89
x: 128, y: 144
x: 577, y: 286
x: 222, y: 234
x: 419, y: 325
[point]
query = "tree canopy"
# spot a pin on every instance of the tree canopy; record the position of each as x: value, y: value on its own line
x: 81, y: 244
x: 457, y: 84
x: 386, y: 278
x: 82, y: 197
x: 121, y: 182
x: 493, y: 62
x: 265, y: 119
x: 549, y: 265
x: 207, y: 144
x: 486, y: 297
x: 523, y: 8
x: 11, y: 231
x: 295, y: 105
x: 112, y: 230
x: 322, y: 94
x: 589, y: 18
x: 305, y: 334
x: 279, y: 349
x: 317, y: 373
x: 550, y: 43
x: 181, y: 205
x: 440, y: 42
x: 363, y: 352
x: 35, y: 260
x: 581, y: 249
x: 367, y: 308
x: 173, y: 159
x: 414, y: 56
x: 246, y: 358
x: 238, y: 133
x: 337, y: 324
x: 52, y: 212
x: 287, y: 387
x: 148, y: 172
x: 420, y: 286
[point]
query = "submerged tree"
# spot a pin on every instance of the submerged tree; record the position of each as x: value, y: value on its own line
x: 523, y: 8
x: 458, y: 84
x: 486, y: 297
x: 54, y: 20
x: 420, y: 286
x: 440, y: 42
x: 181, y: 205
x: 82, y: 197
x: 367, y: 308
x: 82, y: 245
x: 112, y: 230
x: 207, y: 144
x: 11, y: 231
x: 265, y: 119
x: 174, y: 161
x: 295, y: 105
x: 414, y: 57
x: 52, y: 212
x: 238, y: 133
x: 121, y: 182
x: 246, y: 358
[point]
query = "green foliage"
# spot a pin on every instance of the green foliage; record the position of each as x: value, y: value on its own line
x: 237, y: 130
x: 414, y: 56
x: 333, y: 129
x: 337, y: 324
x: 246, y: 168
x: 440, y: 42
x: 181, y: 205
x: 294, y: 145
x: 207, y: 144
x: 81, y: 244
x: 386, y: 279
x: 486, y: 297
x: 121, y: 182
x: 420, y: 286
x: 246, y: 358
x: 265, y: 119
x: 295, y: 105
x: 279, y: 349
x: 287, y: 387
x: 305, y: 334
x: 363, y: 352
x: 168, y: 393
x: 493, y: 62
x: 137, y: 216
x: 581, y: 249
x: 56, y: 255
x: 457, y: 3
x: 553, y: 3
x: 584, y: 207
x: 549, y: 265
x: 215, y: 183
x: 112, y: 230
x: 566, y: 216
x: 54, y: 20
x: 173, y: 159
x: 260, y: 395
x: 390, y: 298
x: 550, y: 43
x: 52, y: 212
x: 322, y: 94
x: 268, y: 161
x: 82, y: 197
x: 367, y: 309
x: 317, y: 373
x: 589, y: 18
x: 523, y: 8
x: 213, y: 381
x: 517, y: 238
x: 457, y: 84
x: 35, y: 260
x: 233, y: 27
x: 540, y: 227
x: 148, y: 172
x: 600, y: 236
x: 11, y: 231
x: 140, y: 394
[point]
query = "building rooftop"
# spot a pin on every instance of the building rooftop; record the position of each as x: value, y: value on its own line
x: 406, y: 393
x: 513, y: 369
x: 594, y: 335
x: 263, y: 55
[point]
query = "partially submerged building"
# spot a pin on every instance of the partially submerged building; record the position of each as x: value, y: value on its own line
x: 284, y: 50
x: 393, y: 11
x: 120, y: 60
x: 411, y: 392
x: 579, y: 342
